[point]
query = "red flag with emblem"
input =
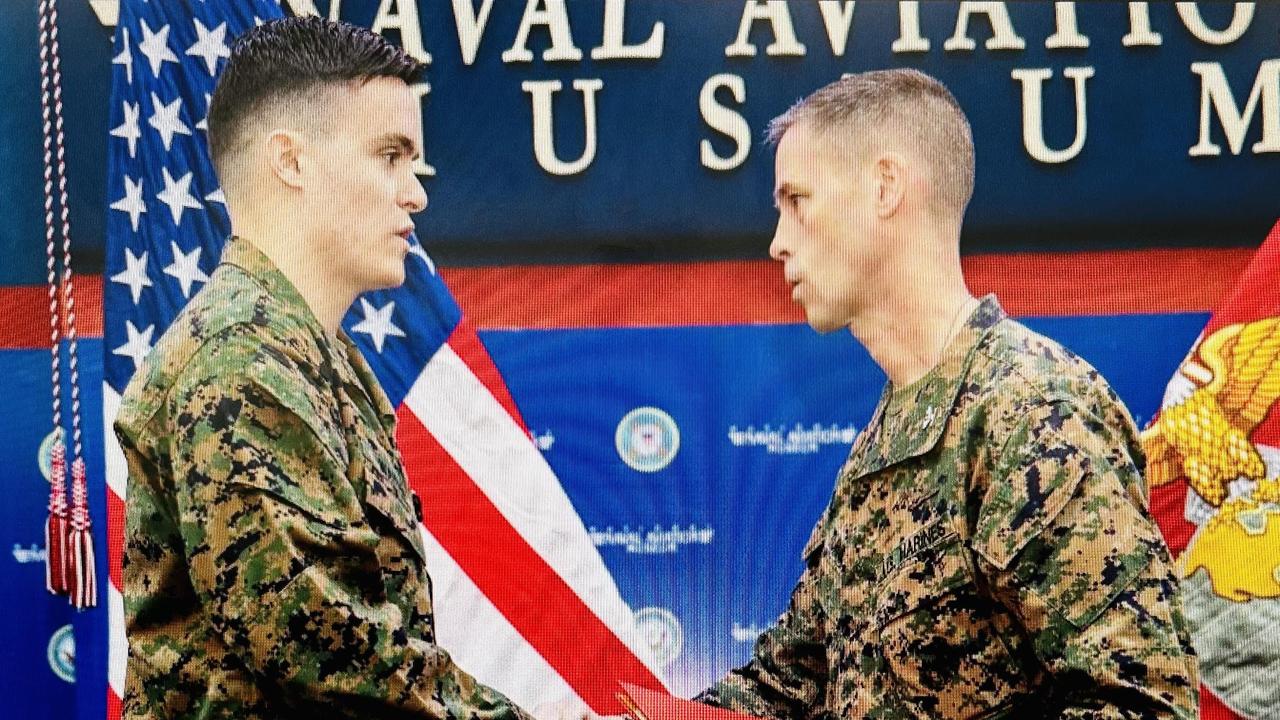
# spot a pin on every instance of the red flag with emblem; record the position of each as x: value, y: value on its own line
x: 1213, y: 465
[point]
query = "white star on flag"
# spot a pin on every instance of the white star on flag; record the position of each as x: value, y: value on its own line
x: 155, y: 45
x: 204, y: 121
x: 211, y: 45
x: 177, y: 195
x: 125, y: 57
x: 165, y: 120
x: 217, y: 196
x: 419, y: 251
x: 132, y: 201
x: 134, y: 274
x: 377, y: 323
x: 138, y: 346
x: 186, y: 268
x: 129, y: 128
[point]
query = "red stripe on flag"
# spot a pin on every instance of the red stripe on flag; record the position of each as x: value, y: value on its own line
x: 115, y: 538
x: 514, y: 577
x: 466, y: 343
x: 115, y: 708
x: 1211, y: 708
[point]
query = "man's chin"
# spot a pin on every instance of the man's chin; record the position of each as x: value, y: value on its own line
x: 821, y: 325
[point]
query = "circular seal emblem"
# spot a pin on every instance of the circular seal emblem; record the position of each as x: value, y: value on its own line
x: 647, y: 439
x: 62, y: 654
x: 44, y: 455
x: 661, y: 632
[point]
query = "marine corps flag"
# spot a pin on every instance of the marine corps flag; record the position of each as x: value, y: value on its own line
x: 1213, y: 464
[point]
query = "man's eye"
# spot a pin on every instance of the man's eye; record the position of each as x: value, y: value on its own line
x: 392, y: 156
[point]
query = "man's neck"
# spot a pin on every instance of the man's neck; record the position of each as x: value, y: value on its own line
x: 328, y: 300
x: 907, y: 334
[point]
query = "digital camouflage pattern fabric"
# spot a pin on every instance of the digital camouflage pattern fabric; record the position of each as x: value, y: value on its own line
x: 987, y: 553
x: 273, y: 564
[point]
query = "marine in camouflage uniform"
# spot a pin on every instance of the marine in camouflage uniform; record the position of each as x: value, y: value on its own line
x: 987, y: 553
x: 273, y: 564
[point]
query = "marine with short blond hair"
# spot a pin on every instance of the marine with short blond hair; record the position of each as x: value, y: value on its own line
x: 988, y: 551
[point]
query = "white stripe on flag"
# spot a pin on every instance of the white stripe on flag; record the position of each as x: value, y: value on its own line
x: 117, y: 470
x: 480, y: 638
x: 117, y: 649
x: 484, y: 440
x: 117, y: 473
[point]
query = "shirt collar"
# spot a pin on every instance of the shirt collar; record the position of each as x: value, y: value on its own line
x: 909, y: 421
x: 335, y: 350
x: 245, y: 255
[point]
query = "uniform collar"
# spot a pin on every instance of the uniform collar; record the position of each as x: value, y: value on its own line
x: 909, y: 421
x: 335, y: 350
x: 245, y: 255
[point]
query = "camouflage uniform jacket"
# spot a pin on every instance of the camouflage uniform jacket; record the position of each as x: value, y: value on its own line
x: 273, y: 565
x: 987, y: 553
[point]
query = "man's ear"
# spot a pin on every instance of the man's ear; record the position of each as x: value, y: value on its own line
x: 890, y: 177
x: 284, y: 150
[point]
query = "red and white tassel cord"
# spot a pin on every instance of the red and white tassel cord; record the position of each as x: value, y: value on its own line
x: 84, y: 577
x: 55, y: 527
x: 69, y: 545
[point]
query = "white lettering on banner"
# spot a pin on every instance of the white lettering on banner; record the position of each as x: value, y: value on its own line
x: 1033, y: 113
x: 556, y: 19
x: 796, y: 441
x: 1002, y: 37
x: 837, y: 18
x: 32, y: 554
x: 1140, y: 32
x: 544, y: 149
x: 1215, y: 92
x: 725, y: 120
x: 909, y: 37
x: 405, y: 21
x: 421, y: 166
x: 1241, y: 16
x: 1065, y: 34
x: 612, y: 45
x: 779, y: 17
x: 657, y: 540
x: 471, y: 24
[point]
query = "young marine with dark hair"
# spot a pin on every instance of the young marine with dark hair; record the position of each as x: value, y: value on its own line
x: 988, y: 551
x: 273, y: 565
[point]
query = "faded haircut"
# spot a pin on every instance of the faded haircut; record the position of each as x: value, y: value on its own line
x: 290, y: 63
x: 863, y: 110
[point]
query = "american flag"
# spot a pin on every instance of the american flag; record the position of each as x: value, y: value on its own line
x: 523, y: 600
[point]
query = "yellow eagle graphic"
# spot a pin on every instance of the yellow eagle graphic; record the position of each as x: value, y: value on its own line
x: 1204, y: 437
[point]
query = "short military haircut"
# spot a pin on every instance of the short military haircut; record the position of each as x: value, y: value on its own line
x: 291, y: 62
x: 860, y: 111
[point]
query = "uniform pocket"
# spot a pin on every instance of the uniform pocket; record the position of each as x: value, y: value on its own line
x: 939, y: 637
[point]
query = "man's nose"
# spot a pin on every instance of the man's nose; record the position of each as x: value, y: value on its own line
x: 414, y: 198
x: 778, y: 249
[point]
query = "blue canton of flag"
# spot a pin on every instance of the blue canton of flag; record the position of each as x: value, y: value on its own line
x: 461, y: 433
